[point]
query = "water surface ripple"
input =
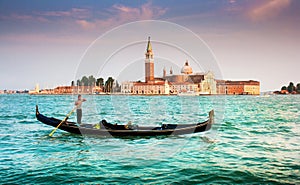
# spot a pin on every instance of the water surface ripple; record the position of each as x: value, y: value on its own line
x: 255, y: 140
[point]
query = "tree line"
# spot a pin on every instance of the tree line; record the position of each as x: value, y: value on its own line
x: 291, y: 88
x: 91, y: 81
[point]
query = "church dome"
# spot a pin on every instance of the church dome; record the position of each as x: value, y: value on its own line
x: 186, y: 69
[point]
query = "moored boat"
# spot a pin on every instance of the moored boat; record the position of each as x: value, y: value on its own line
x: 188, y: 93
x: 105, y: 129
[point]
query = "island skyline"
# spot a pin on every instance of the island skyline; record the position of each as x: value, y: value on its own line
x: 252, y: 40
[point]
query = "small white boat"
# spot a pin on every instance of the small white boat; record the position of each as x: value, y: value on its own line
x: 204, y: 93
x: 188, y: 93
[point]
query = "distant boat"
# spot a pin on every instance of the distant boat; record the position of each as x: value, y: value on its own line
x: 188, y: 93
x: 204, y: 93
x: 105, y: 129
x: 264, y: 96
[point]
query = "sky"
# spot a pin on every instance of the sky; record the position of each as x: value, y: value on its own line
x: 45, y: 42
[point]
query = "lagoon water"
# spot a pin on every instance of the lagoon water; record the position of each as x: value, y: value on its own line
x: 255, y: 140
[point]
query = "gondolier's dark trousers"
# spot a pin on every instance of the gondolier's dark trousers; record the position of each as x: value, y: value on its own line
x: 79, y: 115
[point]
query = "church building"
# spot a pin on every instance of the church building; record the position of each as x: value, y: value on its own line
x: 187, y: 81
x: 152, y: 85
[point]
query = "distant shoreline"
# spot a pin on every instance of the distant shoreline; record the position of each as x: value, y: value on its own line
x: 121, y: 94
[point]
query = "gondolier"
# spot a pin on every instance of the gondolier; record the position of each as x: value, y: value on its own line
x: 78, y: 104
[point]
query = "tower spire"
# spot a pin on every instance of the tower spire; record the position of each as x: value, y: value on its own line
x: 149, y: 46
x: 149, y: 63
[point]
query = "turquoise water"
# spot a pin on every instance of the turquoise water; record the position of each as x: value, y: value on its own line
x: 255, y: 140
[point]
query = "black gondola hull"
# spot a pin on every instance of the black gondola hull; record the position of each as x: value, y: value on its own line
x: 122, y: 131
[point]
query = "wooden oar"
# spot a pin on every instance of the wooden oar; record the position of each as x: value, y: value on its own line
x: 62, y: 121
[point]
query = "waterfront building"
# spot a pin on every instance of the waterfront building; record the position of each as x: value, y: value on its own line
x: 77, y: 90
x: 238, y: 87
x: 183, y: 87
x: 36, y: 90
x: 151, y: 88
x: 47, y: 91
x: 202, y: 83
x: 187, y: 81
x: 252, y: 87
x: 221, y: 86
x: 65, y: 89
x: 185, y: 76
x: 209, y: 84
x: 127, y: 87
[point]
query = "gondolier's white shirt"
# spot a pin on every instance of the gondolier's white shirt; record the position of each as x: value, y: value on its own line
x: 79, y: 103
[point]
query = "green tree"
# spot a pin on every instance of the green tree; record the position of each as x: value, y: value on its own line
x: 100, y: 82
x: 109, y: 84
x: 298, y: 88
x: 291, y: 87
x: 84, y: 81
x: 78, y: 83
x: 283, y: 88
x: 92, y: 80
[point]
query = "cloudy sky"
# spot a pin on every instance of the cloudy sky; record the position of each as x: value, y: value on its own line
x: 44, y: 41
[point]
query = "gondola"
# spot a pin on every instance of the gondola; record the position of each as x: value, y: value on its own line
x: 105, y: 129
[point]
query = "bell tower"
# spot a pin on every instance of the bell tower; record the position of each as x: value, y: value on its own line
x: 149, y: 63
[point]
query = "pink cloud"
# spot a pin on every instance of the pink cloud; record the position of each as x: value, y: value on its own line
x: 85, y: 19
x: 125, y: 9
x: 15, y: 17
x: 55, y: 13
x: 268, y: 9
x: 38, y: 38
x: 21, y: 17
x: 77, y: 13
x: 120, y: 14
x: 85, y: 24
x: 24, y: 18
